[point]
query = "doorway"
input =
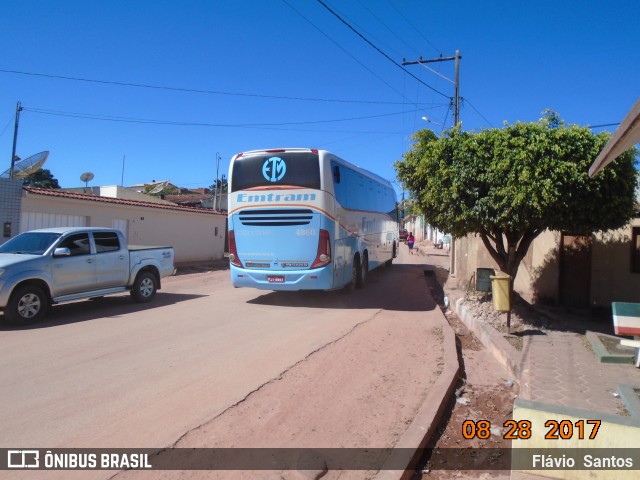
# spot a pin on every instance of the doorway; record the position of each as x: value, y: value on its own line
x: 575, y: 271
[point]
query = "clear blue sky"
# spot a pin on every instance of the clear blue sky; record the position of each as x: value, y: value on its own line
x: 238, y: 75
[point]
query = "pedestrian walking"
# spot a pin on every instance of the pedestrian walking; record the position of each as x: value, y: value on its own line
x: 410, y: 241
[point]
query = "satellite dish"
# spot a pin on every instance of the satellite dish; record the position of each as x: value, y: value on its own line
x: 27, y: 166
x: 159, y: 188
x: 86, y: 177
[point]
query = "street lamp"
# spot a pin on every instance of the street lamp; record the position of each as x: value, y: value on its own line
x: 427, y: 119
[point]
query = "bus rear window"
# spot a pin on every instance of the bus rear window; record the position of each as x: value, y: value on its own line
x: 282, y: 169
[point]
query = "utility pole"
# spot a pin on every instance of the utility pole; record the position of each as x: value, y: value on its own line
x: 215, y: 198
x: 456, y: 120
x: 15, y: 138
x: 122, y: 177
x: 456, y: 108
x: 456, y: 82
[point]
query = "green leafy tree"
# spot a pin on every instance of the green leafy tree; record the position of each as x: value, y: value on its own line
x: 168, y: 190
x: 410, y: 208
x: 509, y: 185
x: 222, y: 185
x: 41, y: 178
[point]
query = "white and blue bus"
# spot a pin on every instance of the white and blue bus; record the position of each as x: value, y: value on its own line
x: 304, y: 219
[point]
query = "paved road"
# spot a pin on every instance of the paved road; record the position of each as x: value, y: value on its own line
x: 111, y: 373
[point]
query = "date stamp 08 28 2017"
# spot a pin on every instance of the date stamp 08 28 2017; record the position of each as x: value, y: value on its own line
x: 521, y: 429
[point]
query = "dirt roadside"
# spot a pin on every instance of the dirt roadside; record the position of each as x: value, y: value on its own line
x: 361, y: 391
x: 485, y: 391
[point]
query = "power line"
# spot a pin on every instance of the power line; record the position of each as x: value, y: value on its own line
x: 445, y: 120
x: 194, y: 90
x: 332, y: 40
x: 389, y: 29
x: 477, y: 111
x: 6, y: 126
x: 414, y: 28
x: 378, y: 50
x: 456, y: 83
x: 91, y: 116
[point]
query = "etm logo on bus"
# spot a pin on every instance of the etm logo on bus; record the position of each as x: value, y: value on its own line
x: 273, y: 169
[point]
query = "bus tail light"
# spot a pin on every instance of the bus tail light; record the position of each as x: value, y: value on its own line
x: 323, y: 257
x: 233, y: 251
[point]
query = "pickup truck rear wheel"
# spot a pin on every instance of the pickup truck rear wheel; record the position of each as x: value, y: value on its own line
x: 144, y: 287
x: 28, y: 304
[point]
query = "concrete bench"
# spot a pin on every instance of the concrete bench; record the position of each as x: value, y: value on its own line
x: 626, y: 321
x: 635, y: 344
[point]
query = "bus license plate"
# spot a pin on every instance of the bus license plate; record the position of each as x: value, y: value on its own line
x: 276, y: 278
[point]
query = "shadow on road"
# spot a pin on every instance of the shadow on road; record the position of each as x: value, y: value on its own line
x: 85, y: 310
x: 402, y: 287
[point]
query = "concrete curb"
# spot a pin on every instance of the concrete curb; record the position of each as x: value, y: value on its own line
x: 428, y: 417
x: 603, y: 354
x: 493, y: 341
x: 630, y: 399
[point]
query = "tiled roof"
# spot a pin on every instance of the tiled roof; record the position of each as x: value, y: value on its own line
x: 119, y: 201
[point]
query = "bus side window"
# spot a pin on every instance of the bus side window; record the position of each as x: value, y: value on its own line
x: 336, y: 174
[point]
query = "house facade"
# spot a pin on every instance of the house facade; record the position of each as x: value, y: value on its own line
x: 575, y: 271
x: 580, y: 272
x: 422, y: 230
x: 196, y: 234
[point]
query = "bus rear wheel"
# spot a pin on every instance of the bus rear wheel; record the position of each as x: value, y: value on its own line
x: 355, y: 272
x: 363, y: 271
x: 389, y: 262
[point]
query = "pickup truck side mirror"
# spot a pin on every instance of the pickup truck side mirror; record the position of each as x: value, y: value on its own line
x: 62, y: 252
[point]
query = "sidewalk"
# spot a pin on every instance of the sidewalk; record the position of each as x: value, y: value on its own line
x: 556, y: 366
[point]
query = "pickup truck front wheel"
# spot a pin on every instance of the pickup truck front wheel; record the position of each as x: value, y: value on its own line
x: 27, y: 304
x: 144, y: 287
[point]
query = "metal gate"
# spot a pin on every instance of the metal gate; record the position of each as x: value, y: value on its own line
x: 34, y: 220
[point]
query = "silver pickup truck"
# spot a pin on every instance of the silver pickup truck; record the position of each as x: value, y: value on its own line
x: 42, y: 267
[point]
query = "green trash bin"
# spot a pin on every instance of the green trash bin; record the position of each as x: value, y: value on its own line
x: 500, y: 286
x: 483, y: 279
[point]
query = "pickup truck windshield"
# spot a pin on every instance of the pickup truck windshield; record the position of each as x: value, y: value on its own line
x: 30, y: 243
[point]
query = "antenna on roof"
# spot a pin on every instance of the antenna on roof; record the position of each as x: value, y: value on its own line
x: 86, y: 177
x: 26, y: 166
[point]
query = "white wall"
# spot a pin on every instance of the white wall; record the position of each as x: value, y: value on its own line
x: 194, y: 235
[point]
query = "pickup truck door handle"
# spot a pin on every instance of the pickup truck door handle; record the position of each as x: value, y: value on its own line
x: 89, y: 260
x: 122, y: 257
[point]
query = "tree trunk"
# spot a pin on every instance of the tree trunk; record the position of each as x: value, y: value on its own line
x: 509, y: 258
